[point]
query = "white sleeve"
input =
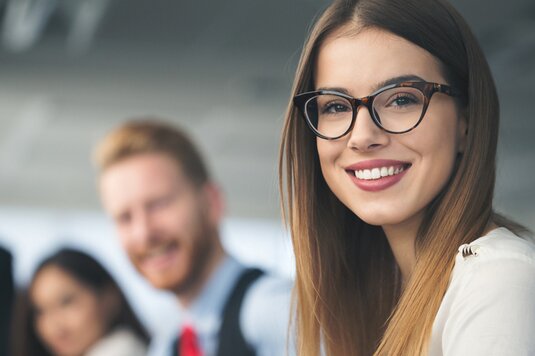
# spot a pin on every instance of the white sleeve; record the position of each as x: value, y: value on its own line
x: 265, y: 315
x: 494, y: 311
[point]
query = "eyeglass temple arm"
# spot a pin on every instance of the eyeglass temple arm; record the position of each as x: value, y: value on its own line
x: 446, y: 90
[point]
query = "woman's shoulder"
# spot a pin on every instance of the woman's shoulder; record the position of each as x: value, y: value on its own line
x: 499, y: 245
x: 495, y: 268
x: 489, y: 299
x: 498, y: 259
x: 119, y: 342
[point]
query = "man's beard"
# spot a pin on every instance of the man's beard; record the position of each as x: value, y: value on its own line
x: 202, y: 251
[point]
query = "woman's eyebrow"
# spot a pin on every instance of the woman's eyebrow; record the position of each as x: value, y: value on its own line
x: 377, y: 86
x: 336, y: 89
x: 397, y: 80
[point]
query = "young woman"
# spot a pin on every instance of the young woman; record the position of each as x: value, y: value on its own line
x: 74, y: 308
x: 388, y: 160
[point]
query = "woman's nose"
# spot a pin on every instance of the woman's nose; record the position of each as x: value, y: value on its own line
x: 366, y: 135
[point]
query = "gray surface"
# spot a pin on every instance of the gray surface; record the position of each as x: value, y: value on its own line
x: 222, y: 69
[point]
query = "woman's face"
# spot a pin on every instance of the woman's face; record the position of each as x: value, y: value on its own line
x: 69, y: 317
x: 358, y: 64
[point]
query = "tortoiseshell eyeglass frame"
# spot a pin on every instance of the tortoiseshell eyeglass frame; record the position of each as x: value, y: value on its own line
x: 427, y: 89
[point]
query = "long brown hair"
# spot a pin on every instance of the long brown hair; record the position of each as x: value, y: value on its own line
x: 348, y: 290
x: 88, y: 271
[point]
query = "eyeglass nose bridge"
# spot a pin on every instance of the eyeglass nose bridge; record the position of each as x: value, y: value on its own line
x: 367, y: 102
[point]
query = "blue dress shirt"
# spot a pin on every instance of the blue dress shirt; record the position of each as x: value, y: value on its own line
x: 264, y: 314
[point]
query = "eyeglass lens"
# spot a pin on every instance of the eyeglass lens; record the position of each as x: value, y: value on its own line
x: 395, y: 109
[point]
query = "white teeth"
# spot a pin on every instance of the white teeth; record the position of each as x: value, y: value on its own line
x: 158, y: 251
x: 376, y: 173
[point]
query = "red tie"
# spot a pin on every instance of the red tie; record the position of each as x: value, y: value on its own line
x: 189, y: 345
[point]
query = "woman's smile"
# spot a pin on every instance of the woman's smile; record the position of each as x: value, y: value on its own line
x: 377, y: 175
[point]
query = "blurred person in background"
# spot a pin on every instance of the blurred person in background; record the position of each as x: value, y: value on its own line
x: 167, y: 211
x: 74, y: 307
x: 6, y: 297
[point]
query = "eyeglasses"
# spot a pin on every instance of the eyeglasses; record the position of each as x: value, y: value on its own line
x: 396, y: 108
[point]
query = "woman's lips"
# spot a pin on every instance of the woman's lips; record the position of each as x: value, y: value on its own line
x: 377, y: 175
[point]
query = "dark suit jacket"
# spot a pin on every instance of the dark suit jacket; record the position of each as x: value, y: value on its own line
x: 6, y: 298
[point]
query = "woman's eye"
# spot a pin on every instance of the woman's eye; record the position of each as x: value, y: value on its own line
x: 123, y: 219
x: 402, y: 100
x: 67, y: 300
x: 333, y: 108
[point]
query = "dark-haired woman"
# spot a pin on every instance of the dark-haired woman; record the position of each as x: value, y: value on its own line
x: 388, y: 156
x: 74, y: 307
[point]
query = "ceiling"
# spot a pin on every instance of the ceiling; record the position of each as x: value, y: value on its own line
x: 222, y: 70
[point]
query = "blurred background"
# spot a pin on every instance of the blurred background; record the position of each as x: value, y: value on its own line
x: 70, y: 70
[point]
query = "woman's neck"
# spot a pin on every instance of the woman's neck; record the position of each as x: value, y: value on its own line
x: 401, y: 238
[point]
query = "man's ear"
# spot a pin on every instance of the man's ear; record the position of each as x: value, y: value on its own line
x: 215, y: 202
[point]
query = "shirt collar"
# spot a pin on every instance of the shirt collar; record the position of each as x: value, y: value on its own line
x: 206, y: 309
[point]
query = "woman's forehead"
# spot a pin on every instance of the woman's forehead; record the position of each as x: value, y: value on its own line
x: 359, y: 61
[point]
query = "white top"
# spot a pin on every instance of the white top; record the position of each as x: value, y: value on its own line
x: 489, y: 307
x: 120, y: 342
x: 263, y: 319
